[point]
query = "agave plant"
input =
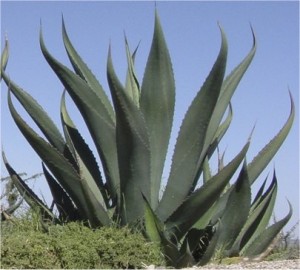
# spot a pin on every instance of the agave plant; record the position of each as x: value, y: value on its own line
x: 198, y: 213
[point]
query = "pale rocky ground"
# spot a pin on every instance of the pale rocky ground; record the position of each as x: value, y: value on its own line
x: 284, y: 264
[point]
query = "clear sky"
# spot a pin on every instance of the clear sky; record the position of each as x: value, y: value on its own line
x: 193, y: 39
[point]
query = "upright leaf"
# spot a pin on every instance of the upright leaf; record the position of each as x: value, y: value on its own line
x: 157, y: 104
x: 259, y: 218
x: 88, y: 167
x: 237, y: 210
x: 132, y: 84
x: 191, y: 138
x: 258, y: 195
x: 153, y: 226
x: 155, y: 231
x: 223, y: 127
x: 133, y: 149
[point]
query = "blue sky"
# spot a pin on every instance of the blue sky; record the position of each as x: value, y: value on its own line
x: 193, y: 40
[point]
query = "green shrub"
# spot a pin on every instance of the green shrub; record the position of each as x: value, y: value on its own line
x: 75, y: 246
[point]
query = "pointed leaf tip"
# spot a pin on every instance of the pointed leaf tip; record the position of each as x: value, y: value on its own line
x: 253, y: 36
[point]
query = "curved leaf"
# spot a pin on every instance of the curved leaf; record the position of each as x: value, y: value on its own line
x: 61, y: 168
x: 191, y: 138
x: 4, y: 57
x: 157, y: 104
x: 96, y: 116
x: 85, y: 73
x: 228, y: 88
x: 267, y: 236
x: 263, y: 158
x: 39, y: 116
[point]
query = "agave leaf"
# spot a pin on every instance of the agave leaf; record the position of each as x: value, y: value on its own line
x: 211, y: 249
x: 66, y: 208
x: 157, y: 104
x: 29, y: 196
x: 272, y: 188
x: 88, y: 166
x: 155, y: 231
x: 237, y: 210
x: 258, y: 196
x: 206, y: 218
x: 186, y: 259
x: 222, y: 201
x: 259, y: 218
x: 85, y: 73
x: 196, y: 205
x: 96, y: 211
x: 263, y: 158
x: 133, y: 148
x: 218, y: 136
x: 220, y: 132
x: 132, y: 85
x: 4, y: 57
x: 206, y: 170
x: 265, y: 238
x: 196, y: 242
x: 170, y: 251
x: 220, y: 206
x: 60, y: 167
x: 228, y: 88
x: 153, y: 226
x: 252, y: 223
x: 39, y: 116
x: 96, y: 116
x: 191, y: 138
x: 64, y: 113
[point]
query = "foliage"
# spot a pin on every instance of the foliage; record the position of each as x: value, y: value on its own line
x: 11, y: 199
x: 192, y: 219
x: 74, y: 246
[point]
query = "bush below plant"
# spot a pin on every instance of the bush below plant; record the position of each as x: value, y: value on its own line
x: 74, y: 246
